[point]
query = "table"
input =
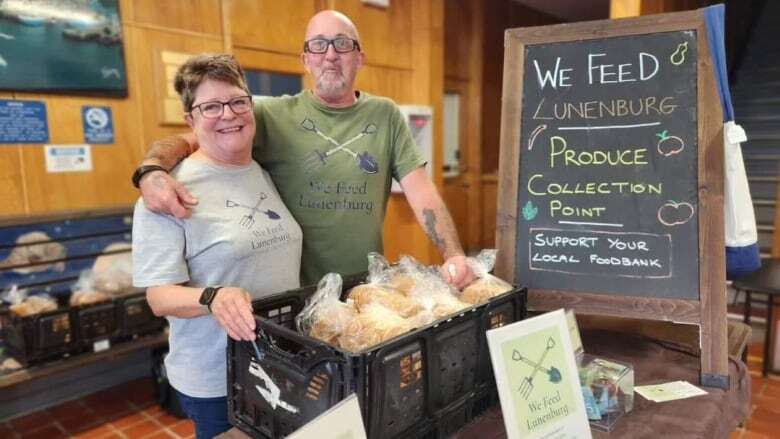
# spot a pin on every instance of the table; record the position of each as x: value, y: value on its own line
x: 712, y: 416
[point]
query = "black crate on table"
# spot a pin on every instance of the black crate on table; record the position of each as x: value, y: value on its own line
x: 410, y: 386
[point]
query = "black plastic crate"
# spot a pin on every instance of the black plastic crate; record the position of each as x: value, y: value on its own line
x: 453, y: 419
x: 40, y: 337
x: 136, y: 317
x: 405, y: 386
x: 75, y: 329
x: 94, y: 323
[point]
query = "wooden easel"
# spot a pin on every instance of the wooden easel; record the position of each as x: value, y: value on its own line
x: 709, y: 312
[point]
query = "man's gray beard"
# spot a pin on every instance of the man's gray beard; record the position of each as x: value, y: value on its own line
x: 331, y: 89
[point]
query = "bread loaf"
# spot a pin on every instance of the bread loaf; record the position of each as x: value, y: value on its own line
x: 372, y: 326
x: 366, y: 294
x: 484, y: 289
x: 34, y: 305
x: 330, y: 321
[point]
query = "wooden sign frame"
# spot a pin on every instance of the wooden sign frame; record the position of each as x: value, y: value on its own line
x: 709, y: 312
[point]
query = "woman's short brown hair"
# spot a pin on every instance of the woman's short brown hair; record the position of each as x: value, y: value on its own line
x: 218, y: 67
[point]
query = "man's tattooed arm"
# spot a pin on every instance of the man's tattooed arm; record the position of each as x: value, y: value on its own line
x: 441, y: 230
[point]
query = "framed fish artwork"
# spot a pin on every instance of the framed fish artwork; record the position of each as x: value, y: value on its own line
x: 62, y: 46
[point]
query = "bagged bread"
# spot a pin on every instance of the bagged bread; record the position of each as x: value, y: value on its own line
x: 35, y: 248
x: 112, y: 271
x: 367, y: 294
x: 34, y: 305
x: 486, y: 286
x: 428, y: 289
x: 88, y: 297
x: 373, y: 325
x: 324, y: 317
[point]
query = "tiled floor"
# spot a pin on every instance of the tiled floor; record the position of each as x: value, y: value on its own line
x: 128, y: 411
x: 764, y: 421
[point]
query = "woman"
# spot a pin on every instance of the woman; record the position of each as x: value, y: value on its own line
x: 240, y: 242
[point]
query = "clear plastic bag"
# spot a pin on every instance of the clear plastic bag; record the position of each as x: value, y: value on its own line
x: 425, y: 286
x: 34, y: 247
x: 84, y: 291
x: 324, y: 317
x: 113, y: 270
x: 23, y: 305
x: 486, y: 286
x: 378, y: 291
x: 373, y: 325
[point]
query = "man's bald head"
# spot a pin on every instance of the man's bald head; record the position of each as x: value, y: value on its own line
x: 333, y: 72
x: 328, y: 22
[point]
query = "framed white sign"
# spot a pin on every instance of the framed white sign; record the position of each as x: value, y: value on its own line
x: 342, y: 421
x: 537, y: 378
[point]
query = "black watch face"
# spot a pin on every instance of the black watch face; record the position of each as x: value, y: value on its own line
x: 207, y: 296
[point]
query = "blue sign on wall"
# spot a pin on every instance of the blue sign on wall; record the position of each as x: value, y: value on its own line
x: 23, y: 122
x: 98, y: 124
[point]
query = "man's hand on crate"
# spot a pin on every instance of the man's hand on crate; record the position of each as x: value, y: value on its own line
x: 457, y: 272
x: 232, y: 307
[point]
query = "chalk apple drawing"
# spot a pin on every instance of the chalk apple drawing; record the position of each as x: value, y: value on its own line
x: 673, y: 213
x: 669, y: 145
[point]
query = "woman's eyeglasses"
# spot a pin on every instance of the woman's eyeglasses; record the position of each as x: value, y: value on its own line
x: 214, y: 109
x: 340, y: 45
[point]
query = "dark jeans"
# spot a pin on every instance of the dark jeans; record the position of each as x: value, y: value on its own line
x: 208, y: 414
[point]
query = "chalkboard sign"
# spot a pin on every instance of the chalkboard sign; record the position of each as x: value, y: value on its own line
x: 610, y: 185
x: 608, y: 177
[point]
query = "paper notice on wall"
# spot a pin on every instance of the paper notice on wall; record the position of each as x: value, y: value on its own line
x: 68, y: 158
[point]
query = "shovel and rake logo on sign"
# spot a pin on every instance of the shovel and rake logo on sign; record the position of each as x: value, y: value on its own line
x: 553, y: 374
x: 248, y: 220
x: 365, y: 161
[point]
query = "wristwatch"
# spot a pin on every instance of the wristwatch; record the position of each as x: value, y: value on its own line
x: 208, y: 295
x: 143, y: 170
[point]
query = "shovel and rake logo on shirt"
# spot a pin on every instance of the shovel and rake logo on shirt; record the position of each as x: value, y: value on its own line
x: 248, y: 220
x: 363, y: 160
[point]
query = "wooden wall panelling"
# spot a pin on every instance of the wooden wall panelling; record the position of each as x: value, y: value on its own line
x: 660, y: 6
x: 389, y: 82
x: 386, y: 33
x: 489, y: 210
x: 499, y: 17
x: 403, y: 235
x: 12, y: 195
x: 459, y: 33
x: 270, y: 25
x: 199, y: 16
x: 251, y: 59
x: 495, y: 22
x: 107, y: 185
x: 455, y: 189
x: 473, y: 121
x: 147, y: 45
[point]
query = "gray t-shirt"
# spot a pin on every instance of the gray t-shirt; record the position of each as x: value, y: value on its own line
x: 240, y: 234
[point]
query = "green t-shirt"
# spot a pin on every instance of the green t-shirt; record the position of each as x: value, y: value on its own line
x: 333, y: 169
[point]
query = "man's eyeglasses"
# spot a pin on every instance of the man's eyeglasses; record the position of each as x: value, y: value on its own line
x: 340, y: 45
x: 214, y: 109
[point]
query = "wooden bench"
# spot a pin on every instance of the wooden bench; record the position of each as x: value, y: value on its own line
x: 73, y: 350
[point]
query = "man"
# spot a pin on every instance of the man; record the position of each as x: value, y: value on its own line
x: 331, y: 152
